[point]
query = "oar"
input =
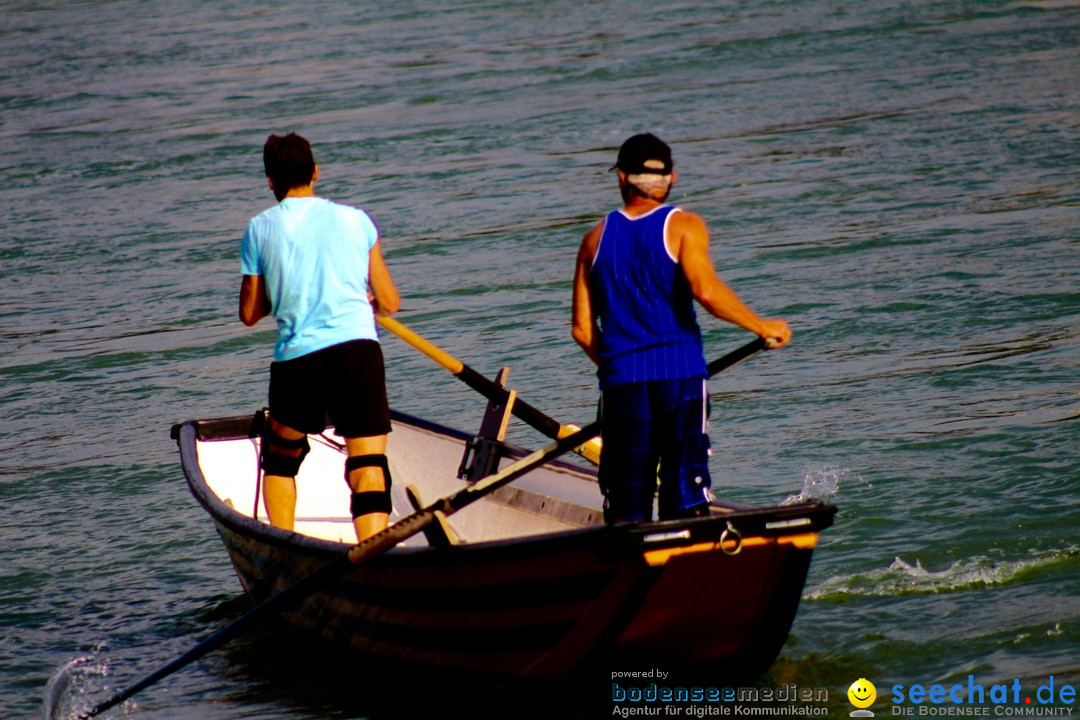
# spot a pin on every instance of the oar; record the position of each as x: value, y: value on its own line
x: 529, y: 414
x: 340, y: 566
x: 737, y: 355
x: 385, y: 540
x: 494, y: 392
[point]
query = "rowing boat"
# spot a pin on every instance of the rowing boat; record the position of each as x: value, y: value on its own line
x: 528, y: 581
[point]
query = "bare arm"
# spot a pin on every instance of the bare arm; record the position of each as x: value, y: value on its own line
x: 384, y: 296
x: 689, y: 240
x: 584, y: 330
x: 254, y: 302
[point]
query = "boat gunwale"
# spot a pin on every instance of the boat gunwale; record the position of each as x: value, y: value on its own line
x: 630, y: 537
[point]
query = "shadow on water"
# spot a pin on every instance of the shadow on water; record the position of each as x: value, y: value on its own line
x: 280, y: 665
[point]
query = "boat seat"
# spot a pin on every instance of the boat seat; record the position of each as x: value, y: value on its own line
x: 438, y: 533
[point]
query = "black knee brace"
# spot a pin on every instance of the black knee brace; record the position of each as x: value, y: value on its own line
x: 371, y: 501
x: 273, y: 461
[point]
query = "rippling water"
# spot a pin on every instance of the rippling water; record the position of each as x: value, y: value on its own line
x: 900, y: 180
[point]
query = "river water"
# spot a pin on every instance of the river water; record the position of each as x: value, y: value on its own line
x: 900, y: 180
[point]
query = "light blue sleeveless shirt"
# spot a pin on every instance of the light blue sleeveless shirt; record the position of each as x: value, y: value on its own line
x: 648, y: 327
x: 313, y: 256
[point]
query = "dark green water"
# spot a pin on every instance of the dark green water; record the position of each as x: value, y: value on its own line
x: 901, y: 180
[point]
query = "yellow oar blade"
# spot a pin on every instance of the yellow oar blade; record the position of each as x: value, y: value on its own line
x: 590, y: 450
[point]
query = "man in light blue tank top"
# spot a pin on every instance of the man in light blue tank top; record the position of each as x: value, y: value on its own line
x: 316, y: 267
x: 638, y: 272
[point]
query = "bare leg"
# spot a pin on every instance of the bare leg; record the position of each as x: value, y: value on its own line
x: 367, y: 479
x: 279, y: 492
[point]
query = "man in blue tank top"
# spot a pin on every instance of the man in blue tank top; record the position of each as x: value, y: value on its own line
x: 638, y: 272
x: 316, y: 267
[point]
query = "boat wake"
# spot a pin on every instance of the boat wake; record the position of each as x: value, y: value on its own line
x: 75, y: 687
x: 902, y: 578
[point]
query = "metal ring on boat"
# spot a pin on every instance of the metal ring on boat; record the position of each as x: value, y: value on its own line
x: 730, y: 533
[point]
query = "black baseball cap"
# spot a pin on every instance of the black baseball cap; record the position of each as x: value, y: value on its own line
x: 644, y: 154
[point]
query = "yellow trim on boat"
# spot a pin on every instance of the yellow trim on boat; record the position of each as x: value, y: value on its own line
x: 802, y: 541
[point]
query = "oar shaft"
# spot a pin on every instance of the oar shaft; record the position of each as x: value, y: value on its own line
x: 303, y: 587
x: 737, y: 356
x: 341, y: 565
x: 447, y: 361
x: 415, y: 523
x: 530, y: 415
x: 489, y: 389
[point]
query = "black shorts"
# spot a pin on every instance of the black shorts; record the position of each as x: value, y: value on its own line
x: 345, y: 383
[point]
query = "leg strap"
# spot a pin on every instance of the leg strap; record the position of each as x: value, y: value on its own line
x: 275, y: 455
x: 371, y: 501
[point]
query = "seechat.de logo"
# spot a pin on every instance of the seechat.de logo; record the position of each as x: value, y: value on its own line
x: 862, y: 694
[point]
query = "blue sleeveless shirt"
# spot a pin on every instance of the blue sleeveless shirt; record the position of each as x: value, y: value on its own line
x: 645, y: 311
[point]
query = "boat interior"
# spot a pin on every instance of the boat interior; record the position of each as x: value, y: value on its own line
x: 426, y: 463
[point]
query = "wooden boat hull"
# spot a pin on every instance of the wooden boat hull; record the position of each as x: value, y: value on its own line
x: 720, y: 590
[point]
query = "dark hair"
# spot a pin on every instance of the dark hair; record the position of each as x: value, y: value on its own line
x: 288, y: 162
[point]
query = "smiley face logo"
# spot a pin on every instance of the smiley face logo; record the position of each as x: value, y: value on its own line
x: 862, y: 693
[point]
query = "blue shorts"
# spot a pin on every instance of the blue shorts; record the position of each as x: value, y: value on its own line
x: 645, y: 425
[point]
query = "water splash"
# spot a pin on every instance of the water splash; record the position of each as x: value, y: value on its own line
x: 903, y: 578
x: 822, y: 484
x: 67, y: 684
x: 72, y: 690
